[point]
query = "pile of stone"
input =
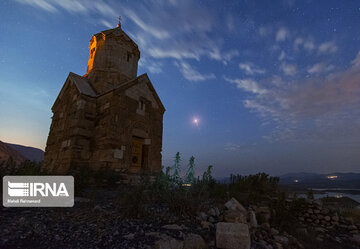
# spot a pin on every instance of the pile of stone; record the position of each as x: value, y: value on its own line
x: 327, y: 224
x: 226, y: 226
x: 237, y: 227
x: 316, y: 215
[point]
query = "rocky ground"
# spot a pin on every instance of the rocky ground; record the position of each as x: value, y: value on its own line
x: 102, y: 224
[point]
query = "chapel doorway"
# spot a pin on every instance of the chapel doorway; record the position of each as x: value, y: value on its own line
x: 137, y: 152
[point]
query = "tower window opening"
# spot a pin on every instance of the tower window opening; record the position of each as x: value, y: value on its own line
x: 128, y: 56
x: 142, y: 105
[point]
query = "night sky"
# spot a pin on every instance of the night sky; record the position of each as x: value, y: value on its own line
x: 274, y: 85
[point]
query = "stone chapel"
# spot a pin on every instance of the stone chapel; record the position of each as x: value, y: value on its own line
x: 110, y: 118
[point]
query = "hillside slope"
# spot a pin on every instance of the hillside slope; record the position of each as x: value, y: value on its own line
x: 6, y: 152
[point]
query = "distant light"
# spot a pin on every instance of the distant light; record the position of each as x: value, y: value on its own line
x: 186, y: 184
x: 296, y: 180
x: 332, y: 177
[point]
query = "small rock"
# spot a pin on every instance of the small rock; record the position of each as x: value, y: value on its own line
x: 203, y: 216
x: 97, y: 208
x: 153, y: 234
x: 172, y: 227
x: 217, y: 211
x: 273, y: 231
x: 212, y: 212
x: 352, y: 227
x: 211, y: 219
x: 206, y: 225
x: 325, y: 211
x: 265, y: 226
x: 129, y: 236
x: 335, y: 218
x: 281, y: 239
x: 252, y: 219
x: 194, y: 241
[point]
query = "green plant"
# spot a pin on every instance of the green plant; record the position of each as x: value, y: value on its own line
x: 190, y: 174
x: 176, y: 169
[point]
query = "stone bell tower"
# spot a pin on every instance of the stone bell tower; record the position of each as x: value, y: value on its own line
x: 110, y: 118
x: 113, y: 59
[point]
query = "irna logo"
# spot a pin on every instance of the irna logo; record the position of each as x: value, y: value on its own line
x: 38, y: 191
x: 20, y: 189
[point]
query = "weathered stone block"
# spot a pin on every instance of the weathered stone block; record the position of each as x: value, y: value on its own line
x: 232, y: 236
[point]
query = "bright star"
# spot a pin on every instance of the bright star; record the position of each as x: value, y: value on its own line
x: 196, y: 121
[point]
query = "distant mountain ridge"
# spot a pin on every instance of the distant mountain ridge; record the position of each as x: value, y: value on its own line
x: 20, y: 153
x: 30, y: 153
x: 313, y: 180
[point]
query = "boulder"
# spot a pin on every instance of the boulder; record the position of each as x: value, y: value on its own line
x: 234, y: 205
x: 232, y: 236
x: 234, y: 216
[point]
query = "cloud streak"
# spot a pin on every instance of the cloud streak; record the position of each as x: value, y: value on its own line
x: 191, y: 74
x: 179, y: 31
x: 250, y: 69
x: 316, y: 108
